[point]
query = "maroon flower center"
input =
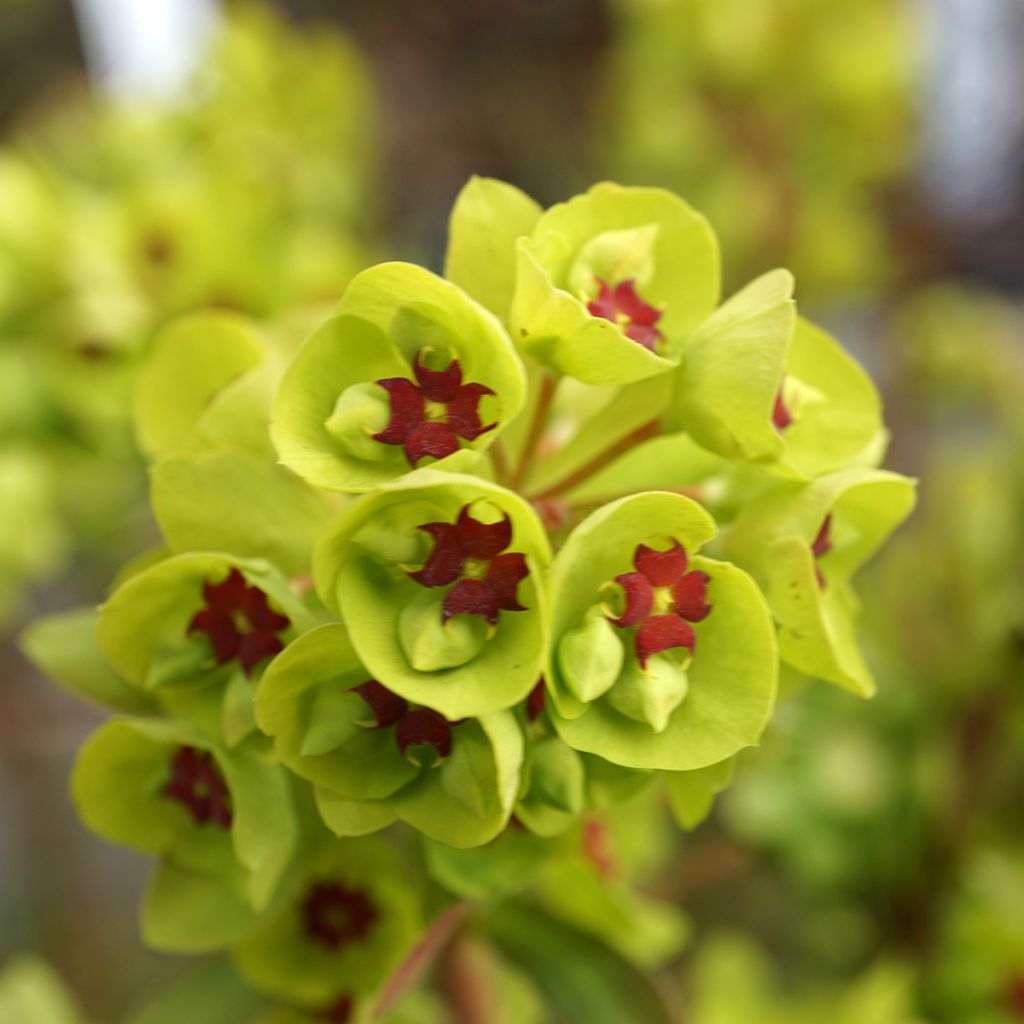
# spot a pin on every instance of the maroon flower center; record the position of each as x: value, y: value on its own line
x: 536, y: 701
x: 820, y: 546
x: 414, y: 727
x: 1014, y: 994
x: 339, y: 1012
x: 335, y: 915
x: 622, y: 305
x: 470, y: 552
x: 662, y: 600
x: 430, y: 416
x: 239, y: 622
x: 197, y: 784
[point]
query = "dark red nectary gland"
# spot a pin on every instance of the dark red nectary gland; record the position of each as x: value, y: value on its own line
x: 336, y: 915
x: 639, y: 599
x: 425, y: 431
x: 661, y: 569
x: 662, y: 633
x: 387, y: 707
x: 239, y: 622
x: 1014, y: 994
x: 339, y: 1012
x: 197, y: 784
x: 536, y: 701
x: 465, y: 540
x: 622, y: 305
x: 689, y: 596
x: 424, y: 727
x: 781, y: 416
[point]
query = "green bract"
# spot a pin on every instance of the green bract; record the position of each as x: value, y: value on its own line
x: 145, y: 632
x: 810, y: 595
x: 462, y: 667
x: 342, y: 930
x: 612, y: 234
x: 834, y: 406
x: 392, y: 319
x: 730, y: 371
x: 676, y: 714
x: 222, y: 818
x: 326, y: 732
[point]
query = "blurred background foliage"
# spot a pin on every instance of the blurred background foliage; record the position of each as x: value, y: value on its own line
x: 867, y: 864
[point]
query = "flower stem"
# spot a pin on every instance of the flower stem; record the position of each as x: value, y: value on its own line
x: 500, y: 462
x: 588, y: 469
x: 546, y: 395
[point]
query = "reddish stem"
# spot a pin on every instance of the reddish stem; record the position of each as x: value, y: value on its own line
x: 588, y: 469
x: 548, y: 386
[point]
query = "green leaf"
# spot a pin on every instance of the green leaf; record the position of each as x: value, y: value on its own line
x: 350, y: 818
x: 64, y: 647
x: 31, y: 992
x: 555, y: 788
x: 582, y: 978
x: 211, y: 993
x: 238, y: 503
x: 184, y: 912
x: 360, y: 571
x: 730, y: 371
x: 692, y: 794
x: 646, y: 930
x: 191, y: 359
x: 264, y: 829
x: 509, y: 864
x: 487, y: 218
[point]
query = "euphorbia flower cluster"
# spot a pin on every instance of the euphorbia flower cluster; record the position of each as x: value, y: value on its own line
x: 400, y: 629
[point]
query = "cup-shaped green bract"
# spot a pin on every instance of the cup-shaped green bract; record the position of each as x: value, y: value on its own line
x: 223, y: 818
x: 438, y: 578
x: 487, y: 219
x: 660, y: 659
x: 828, y: 410
x: 609, y: 283
x: 730, y: 371
x: 410, y: 368
x: 375, y: 757
x: 193, y: 359
x: 553, y: 793
x: 196, y: 629
x: 802, y: 542
x: 349, y: 923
